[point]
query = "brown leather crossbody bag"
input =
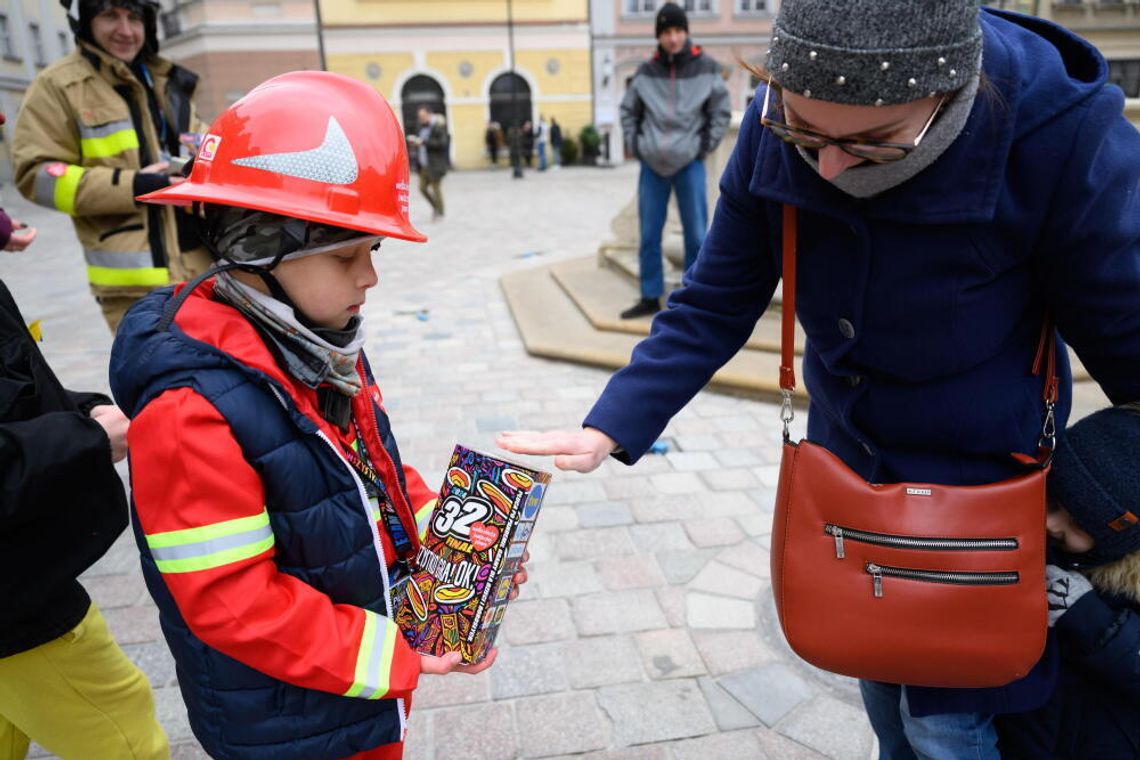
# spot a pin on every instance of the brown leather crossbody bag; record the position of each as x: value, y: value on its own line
x: 913, y: 583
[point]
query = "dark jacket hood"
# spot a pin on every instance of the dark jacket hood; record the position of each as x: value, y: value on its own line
x: 152, y: 352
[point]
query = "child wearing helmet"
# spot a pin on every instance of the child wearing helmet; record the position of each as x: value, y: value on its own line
x: 272, y: 510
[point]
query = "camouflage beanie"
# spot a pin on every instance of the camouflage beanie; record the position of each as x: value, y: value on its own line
x: 259, y: 238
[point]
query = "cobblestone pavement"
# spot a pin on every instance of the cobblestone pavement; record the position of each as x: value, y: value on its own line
x: 647, y: 631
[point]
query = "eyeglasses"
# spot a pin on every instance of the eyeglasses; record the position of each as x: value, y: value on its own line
x: 870, y: 150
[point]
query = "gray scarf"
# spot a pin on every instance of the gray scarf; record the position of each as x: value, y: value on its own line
x: 310, y: 357
x: 867, y: 180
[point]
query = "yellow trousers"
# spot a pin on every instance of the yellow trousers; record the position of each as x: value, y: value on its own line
x: 80, y: 697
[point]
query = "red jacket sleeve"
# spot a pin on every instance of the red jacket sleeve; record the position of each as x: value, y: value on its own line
x: 201, y: 507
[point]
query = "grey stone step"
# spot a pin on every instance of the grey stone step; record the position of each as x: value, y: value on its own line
x: 552, y: 325
x: 601, y: 293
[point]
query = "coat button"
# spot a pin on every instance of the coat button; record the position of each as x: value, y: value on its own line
x: 846, y: 329
x: 855, y: 381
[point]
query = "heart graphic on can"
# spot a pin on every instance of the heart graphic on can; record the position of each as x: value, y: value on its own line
x: 483, y: 535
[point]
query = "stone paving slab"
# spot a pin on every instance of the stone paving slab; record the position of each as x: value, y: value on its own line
x: 655, y: 712
x: 769, y: 691
x: 543, y: 723
x: 729, y: 714
x: 833, y: 727
x: 611, y: 653
x: 669, y: 654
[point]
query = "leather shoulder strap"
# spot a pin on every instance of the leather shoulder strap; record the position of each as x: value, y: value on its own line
x: 788, y: 313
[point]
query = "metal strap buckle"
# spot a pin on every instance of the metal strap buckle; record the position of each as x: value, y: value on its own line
x: 787, y: 414
x: 1048, y: 438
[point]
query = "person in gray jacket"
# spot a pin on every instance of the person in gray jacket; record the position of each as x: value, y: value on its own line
x: 674, y: 113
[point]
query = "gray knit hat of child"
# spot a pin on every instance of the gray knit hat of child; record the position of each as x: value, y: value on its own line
x: 875, y: 52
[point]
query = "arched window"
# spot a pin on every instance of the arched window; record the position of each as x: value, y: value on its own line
x: 418, y: 92
x: 510, y: 100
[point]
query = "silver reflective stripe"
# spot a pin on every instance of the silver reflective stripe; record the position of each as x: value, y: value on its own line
x: 104, y: 130
x: 213, y: 545
x: 374, y: 658
x: 114, y: 260
x: 45, y: 187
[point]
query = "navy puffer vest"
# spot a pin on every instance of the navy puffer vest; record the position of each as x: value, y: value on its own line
x: 322, y: 537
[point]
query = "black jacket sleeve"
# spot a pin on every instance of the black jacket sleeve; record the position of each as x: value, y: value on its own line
x: 85, y: 401
x: 52, y: 455
x: 41, y: 458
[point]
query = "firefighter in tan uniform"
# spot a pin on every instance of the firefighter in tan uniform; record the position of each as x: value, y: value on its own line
x: 98, y: 128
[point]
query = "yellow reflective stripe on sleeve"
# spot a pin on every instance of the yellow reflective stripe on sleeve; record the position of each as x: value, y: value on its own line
x: 210, y: 546
x: 109, y: 145
x: 374, y: 658
x: 66, y: 188
x: 146, y: 276
x: 423, y: 516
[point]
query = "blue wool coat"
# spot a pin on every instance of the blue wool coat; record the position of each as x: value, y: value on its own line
x: 922, y: 305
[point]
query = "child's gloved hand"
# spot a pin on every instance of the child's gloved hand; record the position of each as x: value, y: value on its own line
x: 1063, y: 588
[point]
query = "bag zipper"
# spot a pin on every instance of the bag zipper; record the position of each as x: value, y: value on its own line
x: 953, y: 578
x: 839, y: 533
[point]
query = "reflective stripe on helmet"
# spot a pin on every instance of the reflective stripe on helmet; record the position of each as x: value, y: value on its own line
x: 373, y: 658
x: 210, y: 546
x: 108, y: 139
x: 331, y: 162
x: 126, y: 269
x: 56, y: 185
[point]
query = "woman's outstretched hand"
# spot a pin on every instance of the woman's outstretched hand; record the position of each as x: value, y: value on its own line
x: 578, y: 450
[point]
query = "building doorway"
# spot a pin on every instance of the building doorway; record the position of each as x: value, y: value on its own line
x: 510, y: 101
x: 418, y: 92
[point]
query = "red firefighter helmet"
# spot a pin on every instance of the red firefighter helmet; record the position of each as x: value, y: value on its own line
x: 311, y: 145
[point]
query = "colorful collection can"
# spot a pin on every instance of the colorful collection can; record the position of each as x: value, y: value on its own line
x: 457, y: 594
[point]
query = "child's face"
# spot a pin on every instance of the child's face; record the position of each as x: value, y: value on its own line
x: 1066, y: 533
x: 329, y: 288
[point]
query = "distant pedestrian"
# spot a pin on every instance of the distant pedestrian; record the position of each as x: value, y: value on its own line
x: 674, y: 113
x: 514, y: 149
x: 433, y: 147
x: 491, y: 140
x: 64, y: 682
x: 541, y: 135
x: 556, y: 141
x: 106, y: 123
x: 527, y: 143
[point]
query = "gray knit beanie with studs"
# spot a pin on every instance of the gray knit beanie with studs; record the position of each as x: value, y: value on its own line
x: 875, y: 52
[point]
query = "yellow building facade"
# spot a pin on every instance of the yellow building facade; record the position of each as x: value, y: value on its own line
x: 454, y: 56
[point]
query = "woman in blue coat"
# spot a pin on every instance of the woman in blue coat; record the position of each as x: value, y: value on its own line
x: 957, y: 175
